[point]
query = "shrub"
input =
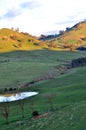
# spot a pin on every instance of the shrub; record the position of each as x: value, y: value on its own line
x: 5, y: 90
x: 15, y: 46
x: 13, y: 37
x: 29, y: 40
x: 20, y: 40
x: 36, y: 44
x: 10, y: 89
x: 35, y: 113
x: 4, y: 38
x: 1, y: 91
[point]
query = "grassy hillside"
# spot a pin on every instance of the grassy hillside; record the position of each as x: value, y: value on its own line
x: 75, y: 34
x: 11, y: 40
x: 24, y: 66
x: 68, y: 91
x: 72, y: 38
x: 61, y: 102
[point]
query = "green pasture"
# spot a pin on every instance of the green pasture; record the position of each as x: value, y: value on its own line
x: 27, y: 66
x: 68, y: 91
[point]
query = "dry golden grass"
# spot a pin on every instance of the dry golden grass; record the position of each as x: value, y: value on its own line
x: 11, y: 41
x: 10, y: 94
x: 75, y: 34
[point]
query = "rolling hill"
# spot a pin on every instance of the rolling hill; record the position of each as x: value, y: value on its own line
x: 61, y: 102
x: 75, y: 35
x: 11, y: 40
x: 67, y: 91
x: 71, y: 39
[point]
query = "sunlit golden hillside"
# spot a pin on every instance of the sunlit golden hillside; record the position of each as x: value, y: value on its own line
x: 73, y: 37
x: 12, y: 40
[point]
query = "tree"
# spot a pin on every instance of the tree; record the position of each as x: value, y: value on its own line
x: 12, y: 28
x: 6, y: 111
x: 21, y: 103
x: 68, y: 29
x: 61, y: 32
x: 78, y: 43
x: 32, y: 105
x: 72, y: 47
x: 50, y: 98
x: 17, y: 29
x: 34, y: 112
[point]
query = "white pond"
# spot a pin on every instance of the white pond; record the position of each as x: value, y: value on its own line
x: 17, y: 96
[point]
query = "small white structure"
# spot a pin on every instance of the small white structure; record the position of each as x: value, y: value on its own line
x: 17, y: 96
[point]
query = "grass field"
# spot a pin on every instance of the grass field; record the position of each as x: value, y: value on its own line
x: 68, y: 91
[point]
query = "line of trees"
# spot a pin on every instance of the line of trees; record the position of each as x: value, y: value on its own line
x: 78, y: 62
x: 6, y: 107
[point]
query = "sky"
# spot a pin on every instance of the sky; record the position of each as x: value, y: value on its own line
x: 41, y: 16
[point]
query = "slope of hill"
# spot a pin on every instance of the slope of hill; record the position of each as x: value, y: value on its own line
x: 11, y: 40
x: 75, y: 35
x: 67, y: 91
x: 72, y: 38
